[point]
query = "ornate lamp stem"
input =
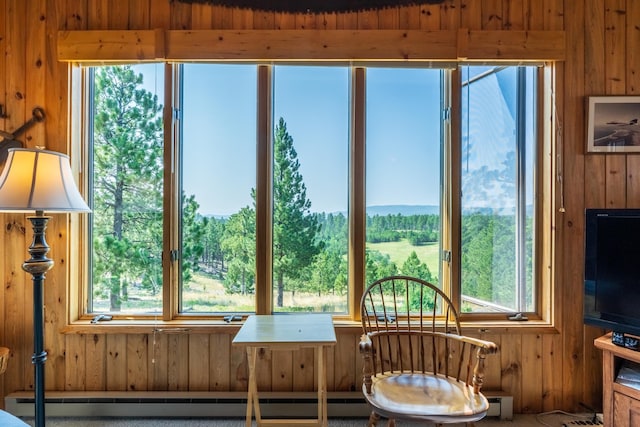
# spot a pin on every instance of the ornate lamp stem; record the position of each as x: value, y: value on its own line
x: 37, y: 266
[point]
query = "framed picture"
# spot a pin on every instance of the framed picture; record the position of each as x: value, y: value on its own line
x: 612, y: 124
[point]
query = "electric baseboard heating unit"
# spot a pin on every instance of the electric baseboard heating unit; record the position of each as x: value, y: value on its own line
x: 158, y: 404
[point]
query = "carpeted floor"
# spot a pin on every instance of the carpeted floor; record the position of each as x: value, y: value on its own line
x: 554, y: 419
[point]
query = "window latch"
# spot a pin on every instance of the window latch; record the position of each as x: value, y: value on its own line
x: 446, y: 256
x: 174, y: 255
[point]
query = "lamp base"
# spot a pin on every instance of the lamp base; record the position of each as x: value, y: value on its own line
x: 37, y: 266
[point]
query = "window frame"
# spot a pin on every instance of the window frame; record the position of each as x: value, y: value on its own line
x: 544, y: 191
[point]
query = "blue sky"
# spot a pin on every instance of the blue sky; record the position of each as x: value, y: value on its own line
x: 219, y: 136
x: 403, y: 133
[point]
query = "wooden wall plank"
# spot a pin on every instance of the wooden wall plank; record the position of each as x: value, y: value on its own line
x: 615, y: 47
x: 177, y: 364
x: 633, y: 47
x: 18, y: 288
x: 199, y: 362
x: 493, y: 368
x: 158, y: 362
x: 595, y: 180
x: 95, y: 350
x: 389, y: 19
x: 410, y: 17
x: 284, y: 21
x: 75, y: 363
x: 119, y: 15
x: 368, y: 20
x: 511, y: 369
x: 615, y: 84
x: 430, y: 17
x: 450, y: 15
x: 137, y: 362
x: 4, y: 267
x: 492, y: 17
x: 219, y: 355
x: 532, y: 367
x: 264, y: 369
x: 222, y: 18
x: 553, y: 18
x: 139, y: 15
x: 238, y: 369
x: 632, y: 66
x: 552, y: 385
x: 281, y: 370
x: 471, y: 15
x: 573, y: 219
x: 534, y: 14
x: 264, y: 20
x: 160, y: 14
x: 98, y: 15
x: 116, y: 363
x: 303, y: 370
x: 201, y: 16
x: 514, y: 14
x: 345, y: 356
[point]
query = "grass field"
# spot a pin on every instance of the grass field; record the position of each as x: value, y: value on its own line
x: 400, y: 251
x: 205, y: 294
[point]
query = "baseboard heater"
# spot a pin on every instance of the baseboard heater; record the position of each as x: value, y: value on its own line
x: 163, y: 404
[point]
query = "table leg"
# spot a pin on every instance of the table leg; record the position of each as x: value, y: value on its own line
x: 322, y: 386
x: 253, y: 401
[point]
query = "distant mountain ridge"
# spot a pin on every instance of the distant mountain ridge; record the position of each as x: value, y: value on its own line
x: 404, y: 210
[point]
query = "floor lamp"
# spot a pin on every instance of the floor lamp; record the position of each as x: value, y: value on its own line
x: 35, y: 180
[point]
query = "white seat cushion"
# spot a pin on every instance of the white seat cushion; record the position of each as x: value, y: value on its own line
x: 425, y: 396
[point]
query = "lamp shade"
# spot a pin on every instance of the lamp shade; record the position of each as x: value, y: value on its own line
x: 39, y: 180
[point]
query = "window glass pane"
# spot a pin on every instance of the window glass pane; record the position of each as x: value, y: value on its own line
x: 403, y: 173
x: 310, y: 188
x: 498, y: 144
x: 126, y: 189
x: 218, y: 182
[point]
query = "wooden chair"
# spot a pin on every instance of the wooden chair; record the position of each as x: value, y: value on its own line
x: 417, y: 365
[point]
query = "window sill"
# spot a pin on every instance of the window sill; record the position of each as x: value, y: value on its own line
x: 219, y: 326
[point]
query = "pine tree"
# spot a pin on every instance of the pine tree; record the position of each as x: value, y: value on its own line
x: 295, y: 229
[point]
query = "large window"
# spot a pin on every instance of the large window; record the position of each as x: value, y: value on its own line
x: 181, y: 184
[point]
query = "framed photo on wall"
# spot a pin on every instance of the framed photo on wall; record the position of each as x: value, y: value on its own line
x: 612, y: 124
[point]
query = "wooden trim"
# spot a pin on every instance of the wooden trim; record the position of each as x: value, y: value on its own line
x: 298, y: 45
x: 110, y: 46
x: 310, y: 44
x: 511, y: 45
x: 264, y: 215
x: 172, y: 202
x: 357, y: 191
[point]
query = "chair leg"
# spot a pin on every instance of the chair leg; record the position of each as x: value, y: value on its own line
x: 373, y: 419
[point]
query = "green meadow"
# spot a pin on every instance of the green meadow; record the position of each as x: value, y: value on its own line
x: 400, y: 251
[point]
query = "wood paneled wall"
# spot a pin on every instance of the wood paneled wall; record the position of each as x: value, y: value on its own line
x: 542, y: 371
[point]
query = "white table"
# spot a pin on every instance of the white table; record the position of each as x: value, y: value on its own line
x: 287, y: 332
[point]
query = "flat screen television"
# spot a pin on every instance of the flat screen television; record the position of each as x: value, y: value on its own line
x: 612, y: 270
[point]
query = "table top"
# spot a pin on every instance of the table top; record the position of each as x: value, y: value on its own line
x: 286, y: 329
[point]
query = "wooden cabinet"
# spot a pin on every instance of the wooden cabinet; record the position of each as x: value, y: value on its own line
x: 620, y: 403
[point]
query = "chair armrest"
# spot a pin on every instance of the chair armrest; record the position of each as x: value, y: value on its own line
x: 488, y: 347
x: 483, y: 347
x: 366, y: 350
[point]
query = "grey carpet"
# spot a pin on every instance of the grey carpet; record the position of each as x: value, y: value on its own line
x: 549, y: 419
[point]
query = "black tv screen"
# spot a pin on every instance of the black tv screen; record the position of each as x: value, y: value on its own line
x: 612, y: 269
